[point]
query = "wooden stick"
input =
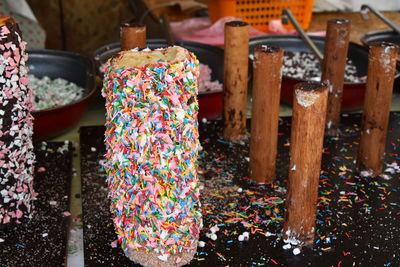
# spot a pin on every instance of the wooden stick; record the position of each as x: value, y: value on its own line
x: 133, y: 36
x: 333, y: 69
x: 266, y: 93
x: 5, y: 19
x: 307, y: 136
x: 378, y: 96
x: 235, y: 79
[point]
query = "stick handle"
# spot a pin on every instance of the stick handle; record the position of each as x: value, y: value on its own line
x: 307, y: 136
x: 376, y: 111
x: 333, y: 69
x: 236, y: 55
x: 266, y: 93
x: 5, y: 19
x: 132, y: 36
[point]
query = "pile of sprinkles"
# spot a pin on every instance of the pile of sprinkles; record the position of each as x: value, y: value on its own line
x: 306, y: 66
x: 151, y: 155
x: 16, y: 149
x: 51, y: 93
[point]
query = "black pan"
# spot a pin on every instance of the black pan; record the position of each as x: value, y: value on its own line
x: 353, y: 93
x: 379, y: 36
x: 210, y: 104
x: 72, y: 67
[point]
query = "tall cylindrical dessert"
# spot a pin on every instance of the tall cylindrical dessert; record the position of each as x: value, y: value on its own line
x: 151, y: 154
x: 16, y: 128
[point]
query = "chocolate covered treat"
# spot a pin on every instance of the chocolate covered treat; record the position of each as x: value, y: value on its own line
x: 151, y: 154
x: 16, y: 149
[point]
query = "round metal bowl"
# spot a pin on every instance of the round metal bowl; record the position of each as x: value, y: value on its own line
x: 210, y: 103
x: 353, y: 93
x: 381, y: 36
x: 73, y: 67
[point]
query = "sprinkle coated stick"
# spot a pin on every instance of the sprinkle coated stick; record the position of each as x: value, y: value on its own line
x: 236, y: 56
x: 377, y: 100
x: 307, y: 136
x: 132, y: 36
x: 151, y: 154
x: 333, y: 69
x: 265, y: 112
x: 16, y: 149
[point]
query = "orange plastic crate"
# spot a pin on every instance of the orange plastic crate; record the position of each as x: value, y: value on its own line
x: 259, y: 12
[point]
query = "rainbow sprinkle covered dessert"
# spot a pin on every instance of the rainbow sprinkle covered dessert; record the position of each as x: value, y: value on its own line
x: 151, y: 154
x: 16, y: 149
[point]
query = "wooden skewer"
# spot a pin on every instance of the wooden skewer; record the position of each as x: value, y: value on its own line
x: 235, y: 79
x: 378, y: 96
x: 307, y: 136
x: 333, y: 69
x: 5, y: 19
x: 133, y: 36
x: 265, y: 112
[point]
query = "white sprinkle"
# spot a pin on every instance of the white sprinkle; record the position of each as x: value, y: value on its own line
x: 390, y: 170
x: 164, y: 257
x: 385, y: 176
x: 1, y: 240
x: 214, y: 237
x: 214, y: 229
x: 241, y: 238
x: 296, y: 251
x: 45, y: 234
x: 202, y: 244
x: 306, y: 98
x: 240, y: 190
x: 204, y: 120
x: 294, y: 167
x: 287, y: 246
x: 93, y: 149
x: 366, y: 173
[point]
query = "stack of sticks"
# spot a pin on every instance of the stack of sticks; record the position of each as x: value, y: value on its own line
x: 316, y: 112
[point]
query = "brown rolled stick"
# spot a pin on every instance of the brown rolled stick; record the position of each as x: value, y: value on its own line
x: 132, y: 36
x: 266, y: 93
x: 378, y: 96
x: 307, y: 136
x: 5, y: 19
x: 333, y: 69
x: 236, y: 54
